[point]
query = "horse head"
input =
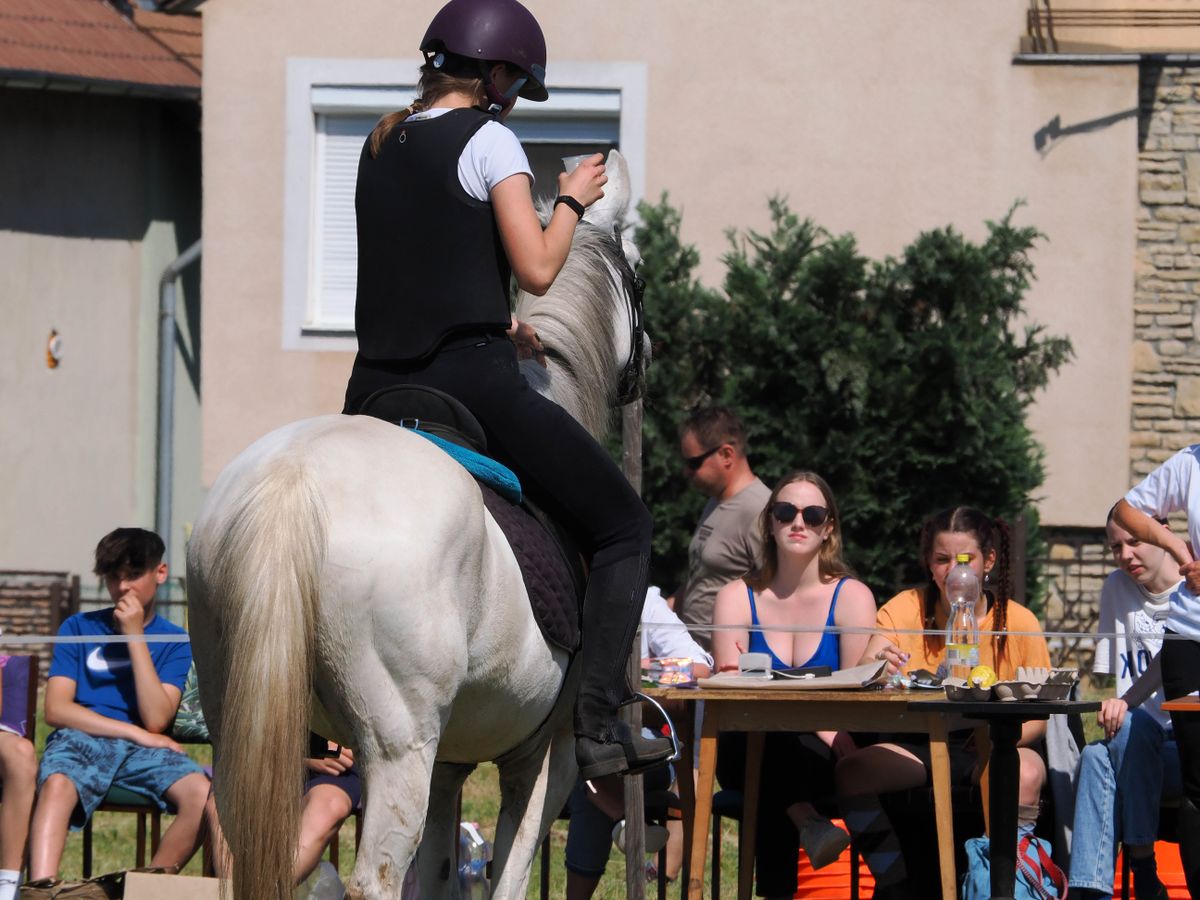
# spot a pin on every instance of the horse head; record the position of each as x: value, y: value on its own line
x: 591, y: 318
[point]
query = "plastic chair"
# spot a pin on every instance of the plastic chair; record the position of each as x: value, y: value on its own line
x: 726, y: 804
x: 188, y: 728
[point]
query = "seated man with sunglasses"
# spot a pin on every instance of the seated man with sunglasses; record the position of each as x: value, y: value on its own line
x: 726, y: 543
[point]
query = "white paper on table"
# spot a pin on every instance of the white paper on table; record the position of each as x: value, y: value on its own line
x: 854, y: 678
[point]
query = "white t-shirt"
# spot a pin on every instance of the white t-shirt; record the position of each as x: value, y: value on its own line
x: 1172, y: 487
x: 1131, y: 611
x: 492, y: 154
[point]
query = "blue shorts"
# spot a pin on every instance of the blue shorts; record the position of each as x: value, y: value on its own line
x: 348, y: 782
x: 95, y: 764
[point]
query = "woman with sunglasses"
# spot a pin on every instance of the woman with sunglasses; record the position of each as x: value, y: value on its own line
x: 785, y: 608
x: 912, y: 635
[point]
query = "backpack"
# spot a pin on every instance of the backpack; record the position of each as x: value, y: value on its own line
x: 1038, y: 878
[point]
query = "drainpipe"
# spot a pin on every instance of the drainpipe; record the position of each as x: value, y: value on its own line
x: 166, y: 390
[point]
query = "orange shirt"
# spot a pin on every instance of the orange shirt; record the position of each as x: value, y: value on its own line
x: 904, y: 612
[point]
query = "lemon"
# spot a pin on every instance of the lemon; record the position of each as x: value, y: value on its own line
x: 983, y: 676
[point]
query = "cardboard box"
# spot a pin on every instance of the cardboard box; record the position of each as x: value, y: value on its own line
x: 144, y: 886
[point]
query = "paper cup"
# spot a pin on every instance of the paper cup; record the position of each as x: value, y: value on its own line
x: 571, y: 163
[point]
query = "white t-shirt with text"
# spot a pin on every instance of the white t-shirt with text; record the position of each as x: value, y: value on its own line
x: 1133, y: 613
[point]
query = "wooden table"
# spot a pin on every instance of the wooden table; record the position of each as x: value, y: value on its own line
x: 758, y: 711
x: 1004, y: 767
x: 1183, y: 704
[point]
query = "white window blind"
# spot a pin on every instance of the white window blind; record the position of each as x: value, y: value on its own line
x: 335, y: 250
x: 332, y: 105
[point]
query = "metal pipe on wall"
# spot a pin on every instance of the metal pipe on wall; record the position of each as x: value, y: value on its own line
x: 166, y: 391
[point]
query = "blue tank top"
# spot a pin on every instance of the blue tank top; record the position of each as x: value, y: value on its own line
x: 828, y: 652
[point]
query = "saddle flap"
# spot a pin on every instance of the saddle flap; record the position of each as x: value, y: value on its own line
x: 428, y: 409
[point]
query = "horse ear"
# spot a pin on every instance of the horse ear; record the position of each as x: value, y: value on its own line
x: 609, y: 211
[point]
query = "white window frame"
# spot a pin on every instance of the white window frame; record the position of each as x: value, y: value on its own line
x: 318, y: 85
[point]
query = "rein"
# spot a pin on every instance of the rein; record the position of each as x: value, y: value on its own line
x: 633, y: 289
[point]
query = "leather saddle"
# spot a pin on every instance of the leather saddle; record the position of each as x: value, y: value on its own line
x: 551, y: 566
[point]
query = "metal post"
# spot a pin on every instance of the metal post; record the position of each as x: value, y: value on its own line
x: 635, y: 815
x: 166, y: 395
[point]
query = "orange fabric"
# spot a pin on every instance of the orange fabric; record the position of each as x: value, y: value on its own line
x: 903, y: 612
x: 1170, y: 872
x: 832, y: 882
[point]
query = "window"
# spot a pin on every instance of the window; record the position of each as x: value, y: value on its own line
x: 332, y: 105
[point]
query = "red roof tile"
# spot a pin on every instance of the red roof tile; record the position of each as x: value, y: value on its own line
x: 91, y: 41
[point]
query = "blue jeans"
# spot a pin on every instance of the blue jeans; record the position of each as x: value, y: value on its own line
x: 1120, y: 786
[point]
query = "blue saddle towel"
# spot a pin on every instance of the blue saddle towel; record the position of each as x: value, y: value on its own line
x: 499, y: 478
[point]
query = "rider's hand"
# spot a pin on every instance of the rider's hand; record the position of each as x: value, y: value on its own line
x: 529, y: 345
x: 586, y: 183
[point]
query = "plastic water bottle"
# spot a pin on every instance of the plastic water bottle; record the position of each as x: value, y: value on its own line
x: 474, y: 854
x: 322, y: 884
x: 962, y: 631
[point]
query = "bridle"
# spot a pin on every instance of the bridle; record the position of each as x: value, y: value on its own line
x: 633, y: 289
x: 630, y: 382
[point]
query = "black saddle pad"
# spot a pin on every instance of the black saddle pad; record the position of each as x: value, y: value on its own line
x: 552, y: 572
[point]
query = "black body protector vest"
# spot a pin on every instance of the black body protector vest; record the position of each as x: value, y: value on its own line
x: 430, y: 261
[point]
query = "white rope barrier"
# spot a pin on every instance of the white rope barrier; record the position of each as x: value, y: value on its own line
x: 852, y: 629
x: 653, y: 626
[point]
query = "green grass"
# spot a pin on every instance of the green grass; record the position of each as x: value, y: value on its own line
x: 1095, y: 687
x: 114, y: 838
x: 114, y: 834
x: 481, y: 797
x: 114, y: 842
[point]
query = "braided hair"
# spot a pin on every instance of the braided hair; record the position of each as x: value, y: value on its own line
x: 991, y: 535
x: 452, y: 78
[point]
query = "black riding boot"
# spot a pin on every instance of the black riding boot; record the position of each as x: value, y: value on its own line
x: 1189, y: 844
x: 612, y: 607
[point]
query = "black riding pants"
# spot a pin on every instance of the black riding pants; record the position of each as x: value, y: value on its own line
x: 564, y: 470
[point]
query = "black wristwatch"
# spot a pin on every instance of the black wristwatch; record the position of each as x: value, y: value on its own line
x: 571, y: 203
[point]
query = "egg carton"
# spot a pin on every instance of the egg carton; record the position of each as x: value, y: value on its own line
x: 1031, y: 683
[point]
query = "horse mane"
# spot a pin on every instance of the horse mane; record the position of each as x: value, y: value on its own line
x: 576, y: 319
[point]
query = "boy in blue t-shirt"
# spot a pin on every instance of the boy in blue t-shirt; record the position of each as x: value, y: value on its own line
x: 111, y: 704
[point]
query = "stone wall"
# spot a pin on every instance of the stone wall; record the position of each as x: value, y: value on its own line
x: 1166, y: 363
x: 1166, y: 356
x: 1074, y: 570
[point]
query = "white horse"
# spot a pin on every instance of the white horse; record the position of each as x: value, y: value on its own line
x: 345, y: 575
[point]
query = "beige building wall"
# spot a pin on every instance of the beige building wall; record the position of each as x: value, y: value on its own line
x: 874, y: 117
x: 98, y: 193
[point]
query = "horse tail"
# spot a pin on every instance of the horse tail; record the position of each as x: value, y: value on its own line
x: 265, y: 594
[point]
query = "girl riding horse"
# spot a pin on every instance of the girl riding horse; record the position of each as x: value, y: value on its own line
x: 445, y: 216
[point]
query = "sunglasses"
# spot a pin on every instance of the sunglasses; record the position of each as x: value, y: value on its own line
x: 695, y: 462
x: 785, y: 514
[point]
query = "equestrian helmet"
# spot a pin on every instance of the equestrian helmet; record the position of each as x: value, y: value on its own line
x: 492, y: 31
